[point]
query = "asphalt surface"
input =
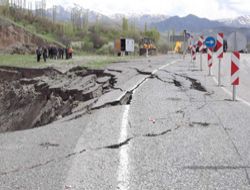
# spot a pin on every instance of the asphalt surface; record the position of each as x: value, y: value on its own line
x: 177, y: 130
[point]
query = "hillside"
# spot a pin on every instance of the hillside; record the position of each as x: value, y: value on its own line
x: 81, y: 32
x: 17, y: 39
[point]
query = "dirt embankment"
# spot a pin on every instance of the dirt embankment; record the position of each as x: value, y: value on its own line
x: 34, y: 97
x: 14, y: 39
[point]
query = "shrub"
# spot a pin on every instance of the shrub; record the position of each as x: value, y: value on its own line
x: 106, y: 49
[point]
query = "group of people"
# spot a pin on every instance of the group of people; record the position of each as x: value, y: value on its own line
x: 53, y: 52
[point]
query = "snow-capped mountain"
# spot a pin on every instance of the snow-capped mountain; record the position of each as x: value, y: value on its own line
x: 161, y: 22
x: 64, y: 14
x: 242, y: 21
x: 140, y: 19
x: 189, y: 22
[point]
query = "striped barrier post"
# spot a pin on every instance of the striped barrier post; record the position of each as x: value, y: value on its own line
x: 209, y: 59
x: 235, y: 67
x: 191, y: 44
x: 219, y: 48
x: 201, y: 47
x: 193, y: 53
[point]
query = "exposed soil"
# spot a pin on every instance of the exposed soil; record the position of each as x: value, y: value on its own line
x: 34, y: 97
x: 17, y: 40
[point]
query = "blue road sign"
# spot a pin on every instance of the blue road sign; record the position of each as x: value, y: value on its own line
x: 210, y: 42
x: 188, y: 35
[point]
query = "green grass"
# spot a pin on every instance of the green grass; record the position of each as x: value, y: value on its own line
x: 100, y: 61
x: 18, y: 60
x: 90, y: 61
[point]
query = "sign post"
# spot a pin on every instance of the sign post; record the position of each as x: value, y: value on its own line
x: 210, y: 43
x: 235, y: 66
x: 236, y: 42
x: 219, y: 48
x: 193, y: 53
x: 200, y: 44
x: 209, y: 59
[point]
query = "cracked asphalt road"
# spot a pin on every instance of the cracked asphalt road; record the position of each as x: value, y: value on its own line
x: 163, y: 126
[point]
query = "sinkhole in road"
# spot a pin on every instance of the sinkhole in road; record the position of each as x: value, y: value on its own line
x: 32, y: 98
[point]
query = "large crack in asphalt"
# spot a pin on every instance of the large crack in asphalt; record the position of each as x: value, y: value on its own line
x: 84, y: 150
x: 32, y: 98
x: 216, y: 168
x: 115, y: 70
x: 37, y: 97
x: 195, y: 84
x: 157, y: 134
x: 126, y: 99
x: 141, y: 72
x: 117, y: 146
x: 203, y: 124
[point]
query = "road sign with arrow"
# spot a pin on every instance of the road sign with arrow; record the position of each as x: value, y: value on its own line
x: 210, y: 42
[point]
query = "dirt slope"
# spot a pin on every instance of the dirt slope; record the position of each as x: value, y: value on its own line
x: 15, y: 39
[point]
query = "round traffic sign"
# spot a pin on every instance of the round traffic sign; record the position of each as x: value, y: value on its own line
x: 210, y: 42
x: 236, y: 42
x: 188, y: 35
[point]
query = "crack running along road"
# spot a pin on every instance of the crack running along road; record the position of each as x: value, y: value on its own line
x: 120, y: 144
x: 123, y: 169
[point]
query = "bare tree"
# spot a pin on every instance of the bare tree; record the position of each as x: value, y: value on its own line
x: 30, y: 6
x: 54, y: 13
x: 4, y: 7
x: 85, y: 20
x: 40, y: 8
x: 76, y: 18
x: 24, y: 5
x: 43, y: 7
x: 4, y: 2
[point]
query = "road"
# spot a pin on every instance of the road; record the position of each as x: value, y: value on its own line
x: 175, y: 130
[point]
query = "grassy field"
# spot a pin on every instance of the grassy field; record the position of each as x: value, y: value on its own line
x: 90, y: 61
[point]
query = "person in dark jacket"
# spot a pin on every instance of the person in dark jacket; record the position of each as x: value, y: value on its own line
x: 45, y: 53
x: 66, y: 53
x: 38, y: 54
x: 60, y: 52
x: 55, y: 52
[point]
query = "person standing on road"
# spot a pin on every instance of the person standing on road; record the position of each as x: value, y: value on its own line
x: 38, y: 54
x: 45, y: 54
x: 66, y: 53
x: 50, y: 52
x: 70, y: 52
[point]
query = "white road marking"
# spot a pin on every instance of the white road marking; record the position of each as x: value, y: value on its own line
x: 230, y: 94
x: 162, y: 67
x: 123, y: 176
x: 123, y: 171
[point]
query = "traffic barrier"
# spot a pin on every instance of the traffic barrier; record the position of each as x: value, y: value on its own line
x: 201, y: 47
x: 219, y: 45
x: 200, y: 44
x: 193, y: 52
x: 219, y: 49
x: 235, y: 67
x: 210, y: 59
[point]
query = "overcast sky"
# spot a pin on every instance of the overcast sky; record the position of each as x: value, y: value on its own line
x: 212, y: 9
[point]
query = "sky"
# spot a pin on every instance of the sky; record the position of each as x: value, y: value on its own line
x: 212, y: 9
